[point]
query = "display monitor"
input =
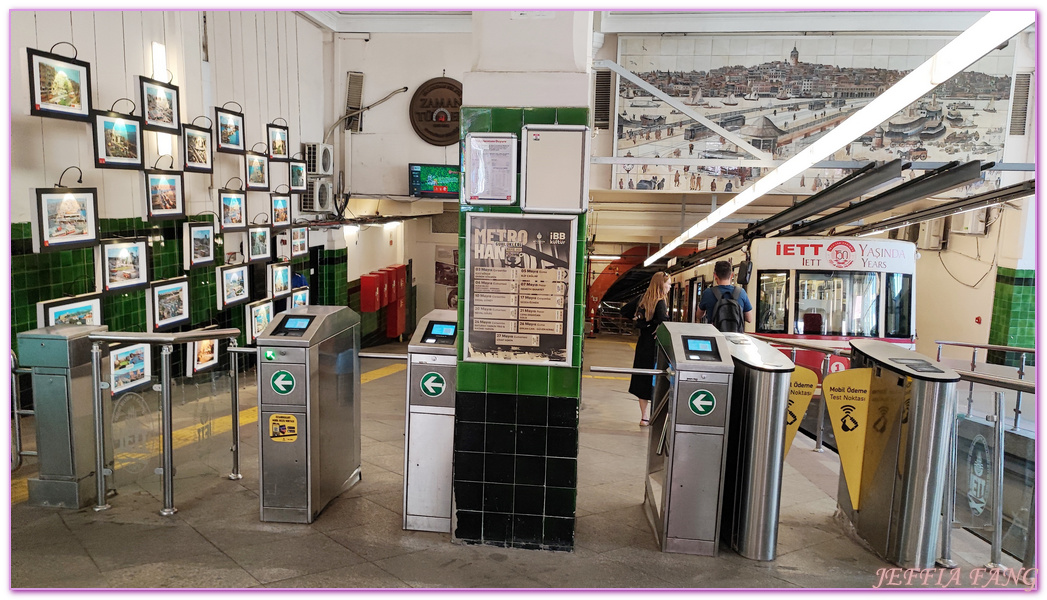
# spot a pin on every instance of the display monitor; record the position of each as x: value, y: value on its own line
x: 697, y: 345
x: 440, y: 332
x: 434, y: 181
x: 293, y: 325
x: 701, y: 348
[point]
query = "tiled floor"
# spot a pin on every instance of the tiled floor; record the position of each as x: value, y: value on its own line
x: 217, y: 541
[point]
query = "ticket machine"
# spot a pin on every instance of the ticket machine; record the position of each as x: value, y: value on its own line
x: 429, y: 430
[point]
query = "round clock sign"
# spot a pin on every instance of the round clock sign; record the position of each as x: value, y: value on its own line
x: 434, y: 110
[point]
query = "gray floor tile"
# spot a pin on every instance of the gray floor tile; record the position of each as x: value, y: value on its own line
x: 292, y: 557
x: 364, y: 575
x: 211, y: 571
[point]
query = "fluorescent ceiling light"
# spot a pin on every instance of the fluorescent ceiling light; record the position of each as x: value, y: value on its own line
x: 606, y: 257
x: 981, y: 38
x: 392, y: 225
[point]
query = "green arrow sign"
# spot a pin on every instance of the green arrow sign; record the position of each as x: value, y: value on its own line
x: 432, y: 384
x: 270, y: 354
x: 702, y: 402
x: 282, y: 382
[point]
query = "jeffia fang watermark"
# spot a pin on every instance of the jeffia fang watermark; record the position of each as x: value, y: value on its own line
x: 945, y: 578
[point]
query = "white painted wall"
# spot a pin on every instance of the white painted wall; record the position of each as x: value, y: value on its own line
x: 372, y: 247
x: 268, y: 62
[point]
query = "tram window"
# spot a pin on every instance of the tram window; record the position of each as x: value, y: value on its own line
x: 837, y: 303
x: 771, y: 301
x: 899, y: 305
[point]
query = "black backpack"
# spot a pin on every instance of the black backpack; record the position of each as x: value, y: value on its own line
x: 727, y: 312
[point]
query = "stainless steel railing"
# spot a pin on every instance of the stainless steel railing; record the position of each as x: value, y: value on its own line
x: 794, y: 346
x: 974, y: 362
x: 167, y: 340
x: 17, y: 453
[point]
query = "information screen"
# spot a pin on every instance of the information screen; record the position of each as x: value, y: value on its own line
x: 701, y: 348
x: 433, y: 181
x: 443, y: 329
x: 695, y: 345
x: 297, y: 322
x: 293, y: 326
x: 440, y: 332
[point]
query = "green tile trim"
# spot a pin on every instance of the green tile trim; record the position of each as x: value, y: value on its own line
x: 533, y: 380
x: 472, y: 376
x: 501, y: 378
x: 565, y: 382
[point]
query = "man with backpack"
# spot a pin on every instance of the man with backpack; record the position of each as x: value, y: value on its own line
x: 728, y: 306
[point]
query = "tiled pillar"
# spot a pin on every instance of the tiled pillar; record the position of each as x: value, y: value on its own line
x: 516, y: 426
x: 1013, y: 315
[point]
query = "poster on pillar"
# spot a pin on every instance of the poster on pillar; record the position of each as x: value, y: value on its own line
x: 519, y: 288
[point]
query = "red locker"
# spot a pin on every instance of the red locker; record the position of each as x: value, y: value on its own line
x: 383, y: 279
x: 401, y: 280
x: 370, y: 292
x: 394, y: 291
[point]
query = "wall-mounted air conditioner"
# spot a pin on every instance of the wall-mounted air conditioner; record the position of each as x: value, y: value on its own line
x: 931, y: 235
x: 971, y: 222
x: 319, y: 159
x: 318, y: 197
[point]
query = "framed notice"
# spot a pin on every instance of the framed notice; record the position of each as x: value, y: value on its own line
x: 490, y: 168
x: 519, y: 288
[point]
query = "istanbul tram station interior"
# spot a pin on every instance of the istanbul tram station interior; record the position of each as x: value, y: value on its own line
x: 347, y: 299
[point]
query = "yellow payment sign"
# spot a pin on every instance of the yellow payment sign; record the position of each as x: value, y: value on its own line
x: 283, y: 428
x: 847, y: 399
x: 801, y: 388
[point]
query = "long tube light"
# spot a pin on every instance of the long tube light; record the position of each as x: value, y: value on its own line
x: 981, y: 38
x: 951, y: 176
x: 1010, y: 193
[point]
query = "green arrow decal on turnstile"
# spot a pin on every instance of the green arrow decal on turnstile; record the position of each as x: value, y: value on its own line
x: 270, y: 354
x: 702, y: 402
x: 432, y: 384
x: 282, y: 382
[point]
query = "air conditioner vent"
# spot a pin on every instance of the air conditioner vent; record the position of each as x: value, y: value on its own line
x: 354, y: 100
x: 1020, y: 103
x: 319, y: 159
x: 602, y: 99
x: 318, y: 197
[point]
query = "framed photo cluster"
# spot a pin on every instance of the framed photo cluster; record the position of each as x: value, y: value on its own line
x: 280, y: 213
x: 278, y: 279
x: 167, y: 303
x: 201, y: 356
x: 117, y: 140
x: 85, y: 309
x: 59, y: 87
x: 256, y: 172
x: 163, y: 195
x: 233, y: 286
x: 299, y: 296
x: 159, y: 106
x: 229, y: 127
x: 196, y: 149
x: 197, y: 245
x: 233, y: 210
x: 122, y: 265
x: 259, y: 243
x: 130, y: 367
x: 258, y: 315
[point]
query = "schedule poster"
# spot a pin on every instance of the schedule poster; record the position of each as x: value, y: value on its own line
x: 519, y: 284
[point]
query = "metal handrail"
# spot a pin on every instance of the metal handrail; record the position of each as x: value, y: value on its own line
x: 17, y: 413
x: 987, y: 346
x: 629, y: 370
x: 801, y: 345
x: 1017, y: 385
x: 167, y: 443
x: 383, y: 355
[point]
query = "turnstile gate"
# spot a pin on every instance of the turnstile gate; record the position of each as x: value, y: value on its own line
x: 429, y: 427
x: 308, y: 410
x: 690, y: 411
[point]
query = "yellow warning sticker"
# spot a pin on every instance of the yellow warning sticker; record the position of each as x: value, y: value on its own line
x: 847, y: 400
x: 801, y: 388
x: 283, y: 428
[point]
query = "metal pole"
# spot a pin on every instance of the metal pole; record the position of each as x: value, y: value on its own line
x: 1018, y: 398
x: 939, y: 353
x: 821, y: 408
x: 234, y: 395
x: 167, y: 448
x: 96, y: 390
x: 997, y: 488
x: 949, y: 499
x: 970, y: 390
x: 792, y: 355
x: 16, y: 456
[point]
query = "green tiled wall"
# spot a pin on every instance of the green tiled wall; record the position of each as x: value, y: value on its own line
x: 1013, y: 315
x: 334, y: 287
x: 501, y: 388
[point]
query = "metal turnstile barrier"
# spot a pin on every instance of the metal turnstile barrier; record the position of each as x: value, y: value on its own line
x: 429, y: 428
x: 686, y: 452
x: 59, y: 358
x: 308, y: 411
x: 755, y: 447
x: 904, y: 474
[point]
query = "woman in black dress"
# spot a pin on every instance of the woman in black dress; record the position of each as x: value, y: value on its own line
x: 650, y: 312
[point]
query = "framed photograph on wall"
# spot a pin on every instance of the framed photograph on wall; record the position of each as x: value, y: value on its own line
x: 196, y: 148
x: 130, y: 367
x: 122, y: 265
x: 65, y: 218
x: 278, y: 279
x: 232, y: 286
x: 167, y: 303
x: 258, y: 315
x: 163, y: 195
x: 117, y: 140
x: 259, y: 244
x: 229, y: 128
x: 296, y: 176
x: 299, y: 241
x: 159, y: 106
x: 197, y: 245
x: 59, y: 87
x: 201, y: 356
x: 256, y: 171
x: 85, y: 309
x: 299, y: 296
x: 278, y: 148
x: 280, y: 213
x: 233, y: 208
